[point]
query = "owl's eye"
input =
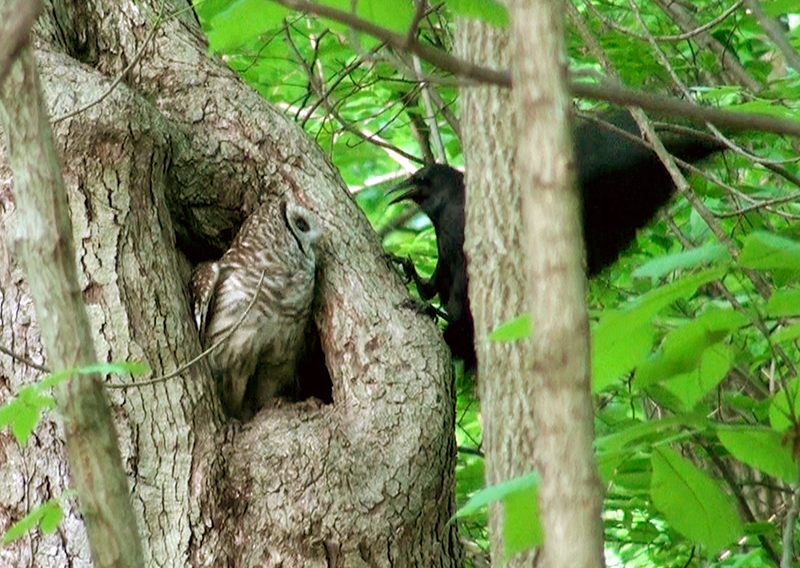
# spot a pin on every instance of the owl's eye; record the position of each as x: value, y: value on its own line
x: 302, y: 225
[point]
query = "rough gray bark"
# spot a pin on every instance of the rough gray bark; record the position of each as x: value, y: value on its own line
x: 498, y: 285
x: 159, y: 173
x: 44, y: 243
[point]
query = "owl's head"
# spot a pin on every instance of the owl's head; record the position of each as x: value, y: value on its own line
x: 303, y: 227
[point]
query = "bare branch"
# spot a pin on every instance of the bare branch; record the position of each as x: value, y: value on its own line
x: 24, y: 360
x: 789, y: 524
x: 614, y: 94
x: 419, y: 13
x: 670, y: 38
x: 323, y: 96
x: 675, y: 107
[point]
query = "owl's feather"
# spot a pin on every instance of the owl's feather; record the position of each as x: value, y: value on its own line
x: 257, y: 360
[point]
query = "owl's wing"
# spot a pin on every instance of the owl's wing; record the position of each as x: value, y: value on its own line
x: 202, y: 286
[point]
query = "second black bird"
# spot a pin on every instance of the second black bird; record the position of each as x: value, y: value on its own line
x: 623, y: 184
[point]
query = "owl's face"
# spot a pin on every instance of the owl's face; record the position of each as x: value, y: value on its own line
x: 303, y: 227
x: 279, y: 233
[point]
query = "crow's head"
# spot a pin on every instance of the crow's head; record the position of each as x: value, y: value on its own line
x: 433, y: 187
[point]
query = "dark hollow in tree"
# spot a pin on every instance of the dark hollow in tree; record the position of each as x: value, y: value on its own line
x: 622, y: 182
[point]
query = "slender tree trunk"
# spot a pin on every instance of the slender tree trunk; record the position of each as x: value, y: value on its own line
x: 497, y: 269
x: 570, y: 495
x: 159, y: 174
x: 44, y: 242
x: 518, y: 158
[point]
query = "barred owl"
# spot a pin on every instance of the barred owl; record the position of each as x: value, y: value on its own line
x: 258, y: 362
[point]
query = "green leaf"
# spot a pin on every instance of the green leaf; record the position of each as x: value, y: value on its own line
x: 242, y: 22
x: 620, y: 341
x: 650, y: 429
x: 765, y: 251
x: 25, y: 421
x: 496, y: 493
x: 634, y: 474
x: 685, y: 287
x: 521, y: 526
x: 113, y: 368
x: 692, y: 503
x: 788, y: 333
x: 760, y: 448
x: 777, y: 8
x: 51, y: 517
x: 623, y: 338
x: 489, y: 11
x: 33, y: 395
x: 23, y: 412
x: 46, y: 516
x: 394, y: 15
x: 25, y: 524
x: 513, y: 329
x: 780, y: 418
x: 471, y: 478
x: 691, y: 387
x: 683, y: 349
x: 784, y: 303
x: 7, y: 412
x: 660, y: 266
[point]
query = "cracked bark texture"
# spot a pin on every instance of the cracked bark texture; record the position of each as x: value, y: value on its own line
x: 159, y: 176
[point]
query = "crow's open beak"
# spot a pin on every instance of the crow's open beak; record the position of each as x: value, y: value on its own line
x: 408, y: 188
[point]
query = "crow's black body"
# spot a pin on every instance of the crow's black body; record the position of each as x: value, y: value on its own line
x: 623, y: 184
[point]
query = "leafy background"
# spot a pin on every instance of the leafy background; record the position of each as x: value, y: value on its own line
x: 695, y: 330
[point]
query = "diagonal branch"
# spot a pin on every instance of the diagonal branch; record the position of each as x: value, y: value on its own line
x: 394, y: 40
x: 614, y: 94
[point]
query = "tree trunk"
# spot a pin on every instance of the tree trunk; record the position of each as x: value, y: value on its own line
x: 497, y: 270
x: 159, y: 175
x: 517, y: 148
x: 44, y: 242
x: 570, y: 494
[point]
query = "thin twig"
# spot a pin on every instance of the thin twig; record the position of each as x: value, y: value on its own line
x: 611, y: 93
x: 789, y: 524
x: 437, y: 57
x: 419, y: 13
x: 202, y: 355
x: 24, y: 360
x: 320, y: 91
x: 670, y: 38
